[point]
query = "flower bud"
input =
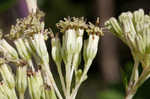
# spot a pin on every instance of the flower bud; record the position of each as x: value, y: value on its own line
x: 49, y: 94
x: 56, y: 50
x: 113, y: 25
x: 7, y: 92
x: 135, y: 34
x: 73, y: 29
x: 22, y: 49
x: 38, y: 44
x: 2, y: 96
x: 76, y: 60
x: 128, y: 26
x: 79, y: 40
x: 70, y: 41
x: 90, y: 47
x: 64, y: 52
x: 9, y: 52
x: 35, y: 83
x: 21, y: 79
x: 7, y: 75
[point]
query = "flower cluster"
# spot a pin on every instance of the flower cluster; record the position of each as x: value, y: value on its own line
x: 70, y: 50
x: 134, y: 30
x: 27, y: 51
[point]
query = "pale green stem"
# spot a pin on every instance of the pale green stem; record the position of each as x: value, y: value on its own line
x: 143, y: 77
x: 14, y: 94
x: 133, y: 80
x: 135, y: 74
x: 74, y: 92
x: 51, y: 79
x: 21, y: 95
x: 129, y: 96
x: 61, y: 77
x: 73, y: 65
x: 68, y: 82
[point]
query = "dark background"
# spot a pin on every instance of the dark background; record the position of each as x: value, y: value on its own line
x: 113, y: 58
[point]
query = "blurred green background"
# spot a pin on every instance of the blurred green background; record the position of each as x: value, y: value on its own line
x: 112, y: 65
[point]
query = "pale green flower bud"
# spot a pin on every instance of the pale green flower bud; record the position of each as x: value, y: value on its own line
x: 22, y: 49
x: 78, y: 75
x: 35, y: 83
x: 138, y: 16
x: 64, y: 52
x: 9, y: 52
x: 2, y: 96
x: 70, y: 41
x: 76, y: 60
x: 136, y: 34
x: 90, y: 47
x: 128, y: 26
x: 56, y: 50
x: 79, y: 40
x: 49, y: 94
x: 7, y: 92
x: 38, y: 44
x: 7, y: 75
x: 91, y: 44
x: 21, y: 79
x: 113, y: 25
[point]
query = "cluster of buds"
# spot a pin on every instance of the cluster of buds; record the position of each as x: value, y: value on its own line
x: 69, y: 50
x: 134, y: 30
x: 30, y: 53
x: 27, y: 51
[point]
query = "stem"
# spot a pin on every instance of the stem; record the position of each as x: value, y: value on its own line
x: 68, y: 82
x: 87, y: 66
x: 133, y: 88
x: 74, y: 64
x: 21, y: 95
x: 61, y: 78
x: 135, y: 73
x: 51, y: 79
x: 133, y: 80
x: 129, y: 96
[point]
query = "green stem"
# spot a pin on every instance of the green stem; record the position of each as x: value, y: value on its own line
x: 74, y: 92
x: 135, y: 73
x: 133, y: 80
x: 21, y: 95
x: 129, y: 96
x: 61, y: 77
x: 133, y: 88
x: 51, y: 80
x: 68, y: 82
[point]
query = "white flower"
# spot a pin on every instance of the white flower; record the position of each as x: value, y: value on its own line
x: 56, y: 50
x: 79, y: 40
x: 7, y: 92
x: 21, y: 79
x: 38, y: 43
x: 22, y: 49
x: 7, y: 75
x: 8, y: 50
x: 70, y: 40
x: 91, y: 47
x: 35, y: 83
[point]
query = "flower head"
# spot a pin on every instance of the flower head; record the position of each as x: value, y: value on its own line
x: 91, y: 44
x: 134, y: 30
